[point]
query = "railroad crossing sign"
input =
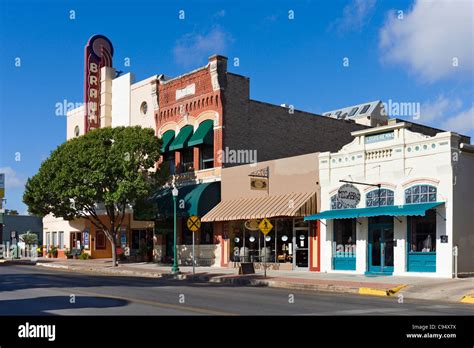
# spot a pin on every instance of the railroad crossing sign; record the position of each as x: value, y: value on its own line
x: 194, y: 223
x: 265, y: 226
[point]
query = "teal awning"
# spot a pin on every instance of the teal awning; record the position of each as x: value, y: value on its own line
x: 181, y: 140
x: 203, y: 135
x: 167, y: 138
x: 392, y: 210
x: 192, y: 200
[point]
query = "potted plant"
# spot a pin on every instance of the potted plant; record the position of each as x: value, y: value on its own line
x: 68, y: 254
x: 50, y: 253
x: 54, y: 251
x: 84, y: 256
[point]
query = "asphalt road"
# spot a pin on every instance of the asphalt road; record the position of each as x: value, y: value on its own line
x: 30, y: 290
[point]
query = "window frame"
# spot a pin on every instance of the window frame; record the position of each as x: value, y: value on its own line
x: 385, y: 194
x: 97, y: 246
x: 410, y: 193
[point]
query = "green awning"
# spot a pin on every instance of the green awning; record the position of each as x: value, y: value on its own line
x: 392, y: 210
x: 192, y: 200
x: 167, y: 138
x: 203, y: 135
x: 181, y: 140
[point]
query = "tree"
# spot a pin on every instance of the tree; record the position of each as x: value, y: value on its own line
x: 29, y: 238
x: 101, y: 173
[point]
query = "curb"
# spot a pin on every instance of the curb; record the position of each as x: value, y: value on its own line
x: 468, y: 299
x: 381, y: 292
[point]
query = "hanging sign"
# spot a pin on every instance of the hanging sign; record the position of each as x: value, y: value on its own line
x: 251, y: 225
x: 348, y: 195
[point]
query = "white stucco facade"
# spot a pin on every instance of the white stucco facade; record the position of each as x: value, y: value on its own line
x: 398, y: 159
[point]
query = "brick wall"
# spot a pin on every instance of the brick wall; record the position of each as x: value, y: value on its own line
x: 273, y: 131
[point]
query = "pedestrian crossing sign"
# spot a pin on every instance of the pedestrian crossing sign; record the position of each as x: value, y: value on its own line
x: 265, y: 226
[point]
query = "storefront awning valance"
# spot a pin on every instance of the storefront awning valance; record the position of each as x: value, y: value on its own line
x: 192, y: 200
x: 167, y: 139
x: 393, y: 210
x: 293, y: 204
x: 181, y: 140
x: 203, y: 135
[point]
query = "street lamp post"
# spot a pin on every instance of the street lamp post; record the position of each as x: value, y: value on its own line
x: 175, y: 269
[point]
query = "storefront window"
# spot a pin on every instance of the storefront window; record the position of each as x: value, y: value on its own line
x: 420, y: 194
x: 386, y: 198
x: 344, y: 244
x: 422, y: 236
x: 207, y: 233
x: 254, y: 246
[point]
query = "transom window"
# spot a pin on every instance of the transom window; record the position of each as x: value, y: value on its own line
x: 420, y: 194
x: 386, y: 198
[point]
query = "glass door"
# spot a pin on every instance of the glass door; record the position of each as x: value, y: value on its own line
x: 381, y: 243
x: 301, y: 243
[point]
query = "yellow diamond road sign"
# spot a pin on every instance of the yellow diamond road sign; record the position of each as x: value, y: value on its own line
x: 194, y: 223
x: 265, y: 226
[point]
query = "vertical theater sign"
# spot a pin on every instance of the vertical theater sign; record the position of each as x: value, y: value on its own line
x: 98, y: 53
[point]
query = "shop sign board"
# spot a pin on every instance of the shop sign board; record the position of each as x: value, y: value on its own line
x: 348, y: 195
x: 375, y: 138
x: 123, y: 236
x: 265, y: 226
x: 194, y: 223
x: 259, y: 184
x: 86, y: 239
x: 252, y: 225
x: 98, y: 53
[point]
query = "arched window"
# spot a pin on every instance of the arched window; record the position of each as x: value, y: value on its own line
x: 335, y: 203
x: 386, y: 198
x: 420, y: 194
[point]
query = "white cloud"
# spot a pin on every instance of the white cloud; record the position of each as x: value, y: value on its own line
x: 462, y: 123
x: 429, y: 37
x: 354, y: 16
x: 192, y: 48
x: 448, y: 114
x: 438, y: 109
x: 12, y: 179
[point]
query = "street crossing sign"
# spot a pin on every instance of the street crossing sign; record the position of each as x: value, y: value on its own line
x: 194, y: 223
x: 265, y: 226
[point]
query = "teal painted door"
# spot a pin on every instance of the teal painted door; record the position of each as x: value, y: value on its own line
x: 381, y: 243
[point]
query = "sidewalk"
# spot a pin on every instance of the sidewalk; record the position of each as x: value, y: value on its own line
x: 452, y: 290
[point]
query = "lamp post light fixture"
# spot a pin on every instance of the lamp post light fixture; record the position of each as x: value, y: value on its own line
x: 175, y: 269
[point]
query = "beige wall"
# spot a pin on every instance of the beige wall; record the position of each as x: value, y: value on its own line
x: 53, y: 224
x: 142, y: 92
x: 75, y: 118
x: 292, y: 174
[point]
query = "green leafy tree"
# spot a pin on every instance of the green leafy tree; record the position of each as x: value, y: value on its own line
x: 29, y: 238
x: 102, y: 173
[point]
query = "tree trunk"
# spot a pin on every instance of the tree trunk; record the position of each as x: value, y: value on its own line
x: 114, y: 250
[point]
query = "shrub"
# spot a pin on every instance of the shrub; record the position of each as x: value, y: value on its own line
x: 84, y: 256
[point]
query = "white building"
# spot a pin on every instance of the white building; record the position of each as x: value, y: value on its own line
x: 404, y: 202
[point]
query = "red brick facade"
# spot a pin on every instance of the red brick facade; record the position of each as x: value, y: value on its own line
x: 198, y: 105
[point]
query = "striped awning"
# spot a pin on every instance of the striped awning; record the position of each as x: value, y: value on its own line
x: 293, y: 204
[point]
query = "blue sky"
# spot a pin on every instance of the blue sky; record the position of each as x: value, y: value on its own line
x: 402, y: 56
